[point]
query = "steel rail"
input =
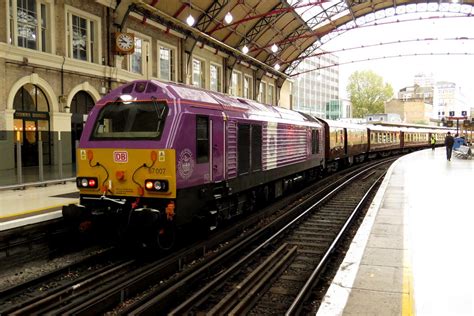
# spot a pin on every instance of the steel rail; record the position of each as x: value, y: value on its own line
x: 219, y: 280
x: 295, y: 307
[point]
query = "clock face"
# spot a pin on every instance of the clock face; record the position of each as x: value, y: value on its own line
x: 125, y: 42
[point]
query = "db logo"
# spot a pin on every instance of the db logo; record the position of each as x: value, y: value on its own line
x: 120, y: 156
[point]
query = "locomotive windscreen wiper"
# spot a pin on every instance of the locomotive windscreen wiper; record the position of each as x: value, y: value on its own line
x: 160, y: 116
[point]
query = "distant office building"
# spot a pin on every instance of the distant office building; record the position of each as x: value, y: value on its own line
x: 410, y: 111
x: 338, y: 109
x: 417, y: 92
x: 424, y: 80
x: 445, y: 97
x: 449, y: 100
x: 317, y: 86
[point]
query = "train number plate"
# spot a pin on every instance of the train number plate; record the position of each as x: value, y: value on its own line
x: 120, y: 156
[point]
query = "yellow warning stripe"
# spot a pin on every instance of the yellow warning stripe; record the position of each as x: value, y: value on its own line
x: 38, y: 210
x: 408, y: 302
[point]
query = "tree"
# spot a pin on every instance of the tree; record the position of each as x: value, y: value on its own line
x: 368, y: 93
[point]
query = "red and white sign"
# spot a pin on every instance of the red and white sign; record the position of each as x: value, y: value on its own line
x: 120, y: 156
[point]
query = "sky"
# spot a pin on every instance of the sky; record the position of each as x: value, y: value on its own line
x: 399, y: 72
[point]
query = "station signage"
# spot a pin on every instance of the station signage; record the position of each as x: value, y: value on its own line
x: 31, y: 115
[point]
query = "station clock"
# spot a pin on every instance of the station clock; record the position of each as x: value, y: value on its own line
x: 124, y: 43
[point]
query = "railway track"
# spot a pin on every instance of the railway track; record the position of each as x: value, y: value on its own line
x: 35, y: 241
x: 45, y: 290
x: 277, y: 276
x: 171, y: 279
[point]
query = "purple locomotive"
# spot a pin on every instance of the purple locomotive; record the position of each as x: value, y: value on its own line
x: 156, y: 157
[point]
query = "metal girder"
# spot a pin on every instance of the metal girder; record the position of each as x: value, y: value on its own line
x: 260, y: 25
x: 308, y: 52
x: 172, y: 23
x: 210, y: 14
x: 204, y: 21
x: 312, y: 23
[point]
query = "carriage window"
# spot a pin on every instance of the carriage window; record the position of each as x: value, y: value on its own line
x: 202, y: 139
x: 243, y: 148
x: 314, y: 141
x: 256, y: 147
x: 131, y: 120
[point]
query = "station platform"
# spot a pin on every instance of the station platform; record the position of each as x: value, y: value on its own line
x: 413, y: 253
x: 35, y: 204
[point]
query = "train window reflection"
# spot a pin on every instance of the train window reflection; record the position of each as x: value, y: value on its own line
x: 131, y: 120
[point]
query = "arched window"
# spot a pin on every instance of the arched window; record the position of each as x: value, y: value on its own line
x: 31, y: 123
x: 82, y: 103
x: 30, y: 98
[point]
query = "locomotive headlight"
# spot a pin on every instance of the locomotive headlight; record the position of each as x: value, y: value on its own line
x: 149, y: 185
x: 84, y: 182
x: 158, y: 185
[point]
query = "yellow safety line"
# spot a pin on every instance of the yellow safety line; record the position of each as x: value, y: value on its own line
x: 408, y: 298
x: 59, y: 206
x: 408, y: 301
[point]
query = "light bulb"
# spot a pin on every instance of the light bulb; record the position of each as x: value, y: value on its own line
x: 228, y: 18
x: 245, y: 49
x: 277, y: 67
x: 190, y: 20
x: 274, y: 48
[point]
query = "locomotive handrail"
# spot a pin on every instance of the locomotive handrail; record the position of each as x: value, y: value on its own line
x: 103, y: 197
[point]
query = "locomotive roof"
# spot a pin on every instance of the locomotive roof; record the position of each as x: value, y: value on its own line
x: 193, y: 95
x: 333, y: 123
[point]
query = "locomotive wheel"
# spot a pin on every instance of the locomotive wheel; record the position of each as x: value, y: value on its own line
x: 166, y: 236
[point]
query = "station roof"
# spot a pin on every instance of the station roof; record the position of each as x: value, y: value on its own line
x: 297, y: 27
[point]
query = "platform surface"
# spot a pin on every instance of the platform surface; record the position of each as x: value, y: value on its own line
x: 34, y: 204
x: 413, y: 254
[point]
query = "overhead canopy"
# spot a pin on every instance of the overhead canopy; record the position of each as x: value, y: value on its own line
x: 298, y: 28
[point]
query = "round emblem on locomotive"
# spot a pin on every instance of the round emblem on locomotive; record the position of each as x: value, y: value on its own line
x: 185, y: 164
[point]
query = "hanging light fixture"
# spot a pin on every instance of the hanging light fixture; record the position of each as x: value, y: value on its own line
x: 245, y: 49
x: 277, y: 67
x: 228, y: 18
x: 190, y: 20
x: 274, y: 48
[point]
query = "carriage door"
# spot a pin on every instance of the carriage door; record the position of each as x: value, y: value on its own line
x: 217, y: 132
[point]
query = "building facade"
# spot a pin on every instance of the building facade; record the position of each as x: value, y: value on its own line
x: 317, y: 85
x: 57, y: 59
x: 412, y: 111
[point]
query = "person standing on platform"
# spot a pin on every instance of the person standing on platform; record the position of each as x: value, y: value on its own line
x: 433, y: 141
x: 449, y: 142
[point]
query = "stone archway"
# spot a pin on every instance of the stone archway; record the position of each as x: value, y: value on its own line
x: 32, y: 126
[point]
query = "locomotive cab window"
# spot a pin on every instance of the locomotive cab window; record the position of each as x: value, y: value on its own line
x: 202, y: 139
x: 131, y: 120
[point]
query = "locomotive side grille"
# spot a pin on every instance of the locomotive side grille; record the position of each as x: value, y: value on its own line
x: 283, y: 145
x: 269, y: 150
x: 231, y: 149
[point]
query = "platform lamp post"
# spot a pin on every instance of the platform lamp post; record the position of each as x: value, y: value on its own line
x: 40, y: 157
x: 19, y: 173
x: 60, y: 156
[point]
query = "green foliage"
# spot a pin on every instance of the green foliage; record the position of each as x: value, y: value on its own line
x: 368, y: 93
